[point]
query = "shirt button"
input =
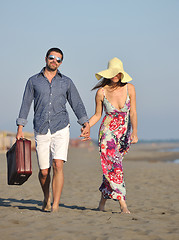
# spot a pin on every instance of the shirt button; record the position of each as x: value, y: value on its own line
x: 50, y: 103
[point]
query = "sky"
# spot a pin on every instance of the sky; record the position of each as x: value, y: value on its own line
x: 144, y: 34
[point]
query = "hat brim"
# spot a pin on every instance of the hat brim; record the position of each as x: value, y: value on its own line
x: 110, y: 73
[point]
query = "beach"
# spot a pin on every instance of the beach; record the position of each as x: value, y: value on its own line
x: 152, y: 196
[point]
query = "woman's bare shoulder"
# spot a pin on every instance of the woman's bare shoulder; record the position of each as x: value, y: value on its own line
x: 100, y: 93
x: 130, y: 85
x: 131, y: 88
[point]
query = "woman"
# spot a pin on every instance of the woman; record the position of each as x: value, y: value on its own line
x: 115, y: 136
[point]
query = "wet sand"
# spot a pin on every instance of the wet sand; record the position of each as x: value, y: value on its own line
x: 152, y: 198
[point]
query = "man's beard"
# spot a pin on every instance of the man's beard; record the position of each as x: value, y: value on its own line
x: 51, y: 67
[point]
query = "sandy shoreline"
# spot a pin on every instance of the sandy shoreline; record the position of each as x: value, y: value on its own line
x: 152, y: 197
x: 153, y: 152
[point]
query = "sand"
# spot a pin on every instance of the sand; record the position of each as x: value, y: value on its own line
x: 152, y: 198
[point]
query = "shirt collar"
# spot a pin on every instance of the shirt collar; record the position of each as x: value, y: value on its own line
x: 42, y: 72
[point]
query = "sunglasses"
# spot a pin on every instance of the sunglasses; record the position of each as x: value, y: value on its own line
x: 51, y: 57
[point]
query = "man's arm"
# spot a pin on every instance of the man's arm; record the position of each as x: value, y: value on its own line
x: 78, y: 107
x: 76, y: 104
x: 25, y: 108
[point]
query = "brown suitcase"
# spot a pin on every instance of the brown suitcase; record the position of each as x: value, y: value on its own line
x: 19, y: 162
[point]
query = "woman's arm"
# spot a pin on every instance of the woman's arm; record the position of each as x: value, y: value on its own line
x: 133, y: 112
x: 98, y: 113
x: 99, y: 108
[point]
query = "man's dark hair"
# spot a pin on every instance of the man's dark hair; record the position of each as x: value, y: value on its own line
x: 54, y: 50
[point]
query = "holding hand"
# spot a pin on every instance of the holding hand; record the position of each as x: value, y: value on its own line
x: 85, y: 132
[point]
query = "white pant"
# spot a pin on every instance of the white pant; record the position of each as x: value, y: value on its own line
x: 52, y: 146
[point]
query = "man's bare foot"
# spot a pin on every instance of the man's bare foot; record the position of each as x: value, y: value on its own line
x: 46, y: 206
x: 54, y: 209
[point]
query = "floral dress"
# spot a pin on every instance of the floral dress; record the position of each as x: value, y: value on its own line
x: 114, y: 143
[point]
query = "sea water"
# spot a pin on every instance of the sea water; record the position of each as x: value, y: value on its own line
x: 174, y: 161
x: 170, y: 150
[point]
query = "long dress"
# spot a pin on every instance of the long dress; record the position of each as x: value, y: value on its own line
x: 114, y: 143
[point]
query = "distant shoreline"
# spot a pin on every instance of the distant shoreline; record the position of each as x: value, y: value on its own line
x: 144, y: 150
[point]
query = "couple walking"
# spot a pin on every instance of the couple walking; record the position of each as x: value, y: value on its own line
x: 49, y: 90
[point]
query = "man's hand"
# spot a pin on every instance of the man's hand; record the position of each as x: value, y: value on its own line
x: 19, y: 134
x: 85, y: 132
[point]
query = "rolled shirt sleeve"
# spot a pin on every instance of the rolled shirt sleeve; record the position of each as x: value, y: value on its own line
x: 26, y: 104
x: 82, y: 120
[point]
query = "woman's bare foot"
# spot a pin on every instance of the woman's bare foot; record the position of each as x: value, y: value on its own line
x: 123, y: 207
x: 100, y: 207
x: 125, y: 210
x: 102, y: 203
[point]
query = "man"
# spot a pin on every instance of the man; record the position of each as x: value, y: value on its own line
x: 50, y: 90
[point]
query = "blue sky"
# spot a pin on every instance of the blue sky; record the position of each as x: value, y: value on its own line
x: 143, y: 34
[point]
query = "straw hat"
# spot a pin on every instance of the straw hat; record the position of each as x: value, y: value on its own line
x: 115, y: 66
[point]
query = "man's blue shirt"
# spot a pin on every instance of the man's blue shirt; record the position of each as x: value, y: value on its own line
x: 50, y: 103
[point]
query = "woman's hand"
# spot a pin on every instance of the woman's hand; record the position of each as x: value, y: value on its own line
x: 134, y: 138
